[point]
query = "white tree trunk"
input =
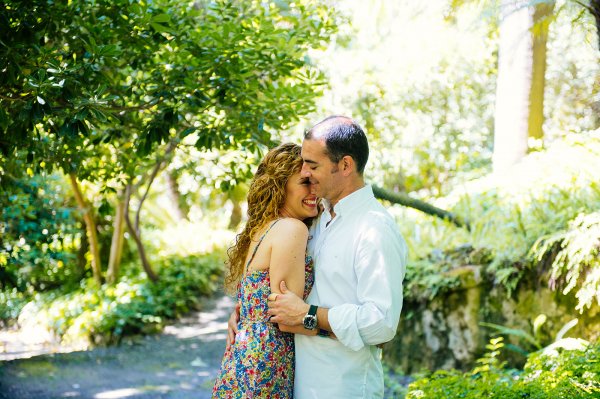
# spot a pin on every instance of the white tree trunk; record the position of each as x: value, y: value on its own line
x: 515, y: 67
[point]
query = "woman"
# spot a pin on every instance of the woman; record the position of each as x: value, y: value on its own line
x: 271, y: 248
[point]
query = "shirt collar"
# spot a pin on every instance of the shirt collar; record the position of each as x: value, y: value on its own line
x: 350, y: 202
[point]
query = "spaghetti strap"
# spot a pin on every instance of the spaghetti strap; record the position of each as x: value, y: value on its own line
x: 258, y: 245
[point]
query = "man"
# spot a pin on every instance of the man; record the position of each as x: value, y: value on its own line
x: 360, y: 260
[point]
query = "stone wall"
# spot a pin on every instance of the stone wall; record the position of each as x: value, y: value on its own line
x: 445, y: 332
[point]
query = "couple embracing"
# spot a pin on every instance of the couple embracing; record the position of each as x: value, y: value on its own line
x: 318, y: 291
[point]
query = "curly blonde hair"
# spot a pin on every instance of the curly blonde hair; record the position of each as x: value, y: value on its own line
x: 266, y: 197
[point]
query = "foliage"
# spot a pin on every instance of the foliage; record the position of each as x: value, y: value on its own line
x: 11, y: 304
x: 575, y: 256
x: 572, y: 95
x: 534, y: 339
x: 39, y: 235
x: 510, y: 213
x: 431, y: 275
x: 106, y: 91
x: 134, y: 305
x: 429, y: 114
x: 93, y: 73
x: 557, y: 373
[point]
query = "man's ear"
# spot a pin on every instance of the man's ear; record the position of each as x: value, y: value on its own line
x: 347, y: 165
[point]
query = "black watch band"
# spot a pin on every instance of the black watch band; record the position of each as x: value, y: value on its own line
x: 323, y: 333
x: 310, y: 319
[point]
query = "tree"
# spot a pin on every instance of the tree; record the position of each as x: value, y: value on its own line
x: 520, y: 86
x: 105, y: 91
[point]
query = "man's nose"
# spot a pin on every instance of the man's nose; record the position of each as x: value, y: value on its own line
x: 305, y: 171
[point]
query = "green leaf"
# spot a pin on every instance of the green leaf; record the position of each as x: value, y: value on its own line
x: 161, y: 18
x: 4, y: 119
x: 159, y: 27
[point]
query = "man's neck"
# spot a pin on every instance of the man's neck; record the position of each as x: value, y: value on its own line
x: 357, y: 185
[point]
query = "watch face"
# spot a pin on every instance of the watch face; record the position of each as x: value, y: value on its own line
x: 310, y: 322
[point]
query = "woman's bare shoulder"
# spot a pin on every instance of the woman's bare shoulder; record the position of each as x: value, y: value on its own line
x: 290, y: 226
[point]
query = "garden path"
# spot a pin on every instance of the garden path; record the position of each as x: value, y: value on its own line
x: 180, y: 363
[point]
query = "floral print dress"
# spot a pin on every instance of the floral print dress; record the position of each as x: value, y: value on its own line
x: 260, y: 363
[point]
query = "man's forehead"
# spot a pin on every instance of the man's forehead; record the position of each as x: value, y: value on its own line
x: 312, y: 151
x: 313, y: 145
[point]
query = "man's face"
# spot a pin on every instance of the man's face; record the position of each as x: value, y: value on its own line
x: 321, y: 172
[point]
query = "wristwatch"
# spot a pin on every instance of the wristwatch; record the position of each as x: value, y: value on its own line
x: 310, y: 319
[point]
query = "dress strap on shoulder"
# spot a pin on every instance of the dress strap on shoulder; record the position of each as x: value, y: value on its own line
x: 259, y: 242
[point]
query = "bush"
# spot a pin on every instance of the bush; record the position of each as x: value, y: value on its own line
x: 11, y: 303
x: 134, y: 305
x: 574, y: 253
x: 557, y: 372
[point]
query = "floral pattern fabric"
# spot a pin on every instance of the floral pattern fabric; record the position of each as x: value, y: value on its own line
x: 260, y: 363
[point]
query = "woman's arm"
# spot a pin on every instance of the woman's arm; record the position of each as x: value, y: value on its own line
x: 288, y: 253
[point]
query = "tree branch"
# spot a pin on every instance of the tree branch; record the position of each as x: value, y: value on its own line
x: 136, y: 237
x: 170, y: 147
x: 405, y: 200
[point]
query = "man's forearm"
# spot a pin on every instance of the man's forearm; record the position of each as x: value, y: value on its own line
x: 323, y: 319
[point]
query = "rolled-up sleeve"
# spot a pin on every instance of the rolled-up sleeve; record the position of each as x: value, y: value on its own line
x: 379, y: 265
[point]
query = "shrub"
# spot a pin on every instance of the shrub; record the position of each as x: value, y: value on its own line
x: 134, y: 305
x: 559, y: 371
x: 575, y: 256
x: 11, y: 303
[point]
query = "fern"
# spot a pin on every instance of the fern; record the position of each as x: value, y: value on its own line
x: 577, y: 261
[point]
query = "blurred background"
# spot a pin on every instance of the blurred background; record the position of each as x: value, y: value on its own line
x: 129, y: 132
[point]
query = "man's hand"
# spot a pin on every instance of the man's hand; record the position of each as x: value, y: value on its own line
x: 287, y: 308
x: 232, y: 326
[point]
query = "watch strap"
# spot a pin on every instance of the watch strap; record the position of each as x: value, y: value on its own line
x: 323, y: 333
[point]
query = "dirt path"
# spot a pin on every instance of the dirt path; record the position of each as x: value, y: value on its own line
x: 182, y: 362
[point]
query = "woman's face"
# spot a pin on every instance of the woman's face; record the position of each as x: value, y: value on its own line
x: 299, y: 202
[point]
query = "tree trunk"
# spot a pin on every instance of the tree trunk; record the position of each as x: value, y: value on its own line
x: 116, y: 246
x: 136, y: 237
x: 541, y: 21
x: 405, y: 200
x: 595, y: 10
x: 236, y: 215
x: 90, y: 225
x: 181, y: 211
x: 520, y: 85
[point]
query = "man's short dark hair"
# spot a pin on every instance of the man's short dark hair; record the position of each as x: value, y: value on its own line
x: 343, y: 136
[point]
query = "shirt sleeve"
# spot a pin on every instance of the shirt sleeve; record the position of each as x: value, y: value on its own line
x: 380, y: 264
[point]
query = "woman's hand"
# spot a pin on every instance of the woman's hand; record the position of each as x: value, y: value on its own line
x: 232, y: 326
